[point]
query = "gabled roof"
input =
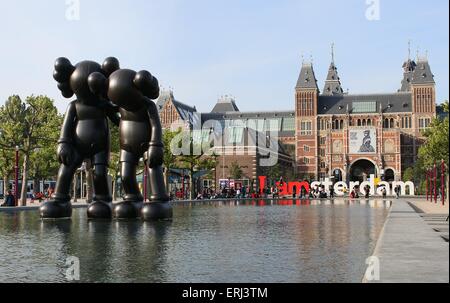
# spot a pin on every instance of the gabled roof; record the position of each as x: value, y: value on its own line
x: 422, y: 73
x: 224, y: 105
x: 387, y: 103
x: 307, y: 78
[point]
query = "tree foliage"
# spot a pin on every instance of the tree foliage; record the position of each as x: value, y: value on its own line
x: 33, y: 126
x: 435, y: 148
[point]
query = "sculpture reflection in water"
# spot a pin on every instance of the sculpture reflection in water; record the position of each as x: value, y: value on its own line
x: 104, y: 91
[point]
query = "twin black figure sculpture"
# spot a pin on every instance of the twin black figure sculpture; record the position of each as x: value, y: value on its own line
x: 85, y: 135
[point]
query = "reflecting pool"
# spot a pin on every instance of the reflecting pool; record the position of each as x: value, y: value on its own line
x: 256, y: 241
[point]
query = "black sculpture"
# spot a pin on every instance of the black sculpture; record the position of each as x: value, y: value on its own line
x: 84, y: 135
x: 140, y: 136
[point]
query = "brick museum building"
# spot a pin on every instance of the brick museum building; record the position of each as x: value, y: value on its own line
x: 329, y: 133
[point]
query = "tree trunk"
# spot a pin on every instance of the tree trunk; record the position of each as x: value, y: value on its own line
x: 5, y: 185
x: 89, y: 183
x: 166, y: 178
x: 114, y: 181
x: 23, y: 195
x: 75, y: 183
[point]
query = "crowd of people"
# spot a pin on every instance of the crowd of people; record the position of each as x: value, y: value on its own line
x: 10, y: 199
x: 317, y: 192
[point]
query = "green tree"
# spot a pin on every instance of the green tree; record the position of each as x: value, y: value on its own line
x: 192, y: 160
x: 114, y: 162
x: 6, y: 166
x: 170, y: 160
x: 31, y: 125
x: 235, y: 171
x: 435, y: 148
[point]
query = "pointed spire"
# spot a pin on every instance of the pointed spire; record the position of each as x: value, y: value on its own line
x: 409, y: 49
x: 333, y: 83
x: 332, y: 52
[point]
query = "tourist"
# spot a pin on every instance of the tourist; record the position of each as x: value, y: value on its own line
x: 10, y: 201
x: 238, y: 193
x: 353, y: 194
x: 397, y: 191
x: 332, y: 192
x: 367, y: 191
x: 244, y: 192
x: 303, y: 193
x: 384, y: 192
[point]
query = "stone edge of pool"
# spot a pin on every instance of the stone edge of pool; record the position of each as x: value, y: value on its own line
x: 409, y: 250
x: 85, y: 205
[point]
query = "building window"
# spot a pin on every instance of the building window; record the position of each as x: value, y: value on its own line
x: 424, y: 123
x: 306, y: 160
x: 235, y: 135
x: 388, y: 123
x: 406, y: 122
x: 365, y: 107
x: 306, y: 148
x: 338, y: 124
x: 207, y: 183
x: 322, y: 165
x: 289, y: 124
x: 306, y: 128
x: 322, y: 152
x: 323, y: 140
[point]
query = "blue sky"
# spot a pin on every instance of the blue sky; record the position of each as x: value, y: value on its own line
x: 203, y: 49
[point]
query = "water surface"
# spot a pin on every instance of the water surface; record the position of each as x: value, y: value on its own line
x: 286, y: 241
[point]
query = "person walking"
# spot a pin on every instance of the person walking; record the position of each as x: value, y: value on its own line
x: 10, y: 200
x: 397, y: 191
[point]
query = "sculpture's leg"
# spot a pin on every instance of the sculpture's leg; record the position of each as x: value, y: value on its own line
x: 159, y: 207
x: 132, y: 204
x: 101, y: 208
x: 60, y: 206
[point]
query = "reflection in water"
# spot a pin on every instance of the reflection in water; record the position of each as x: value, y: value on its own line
x: 235, y: 241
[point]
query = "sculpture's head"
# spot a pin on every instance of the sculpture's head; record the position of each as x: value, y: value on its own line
x: 75, y: 79
x: 126, y: 88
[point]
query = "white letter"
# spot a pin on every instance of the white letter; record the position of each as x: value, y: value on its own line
x: 339, y: 188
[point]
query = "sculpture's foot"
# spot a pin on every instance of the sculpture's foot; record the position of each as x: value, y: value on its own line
x: 56, y: 210
x: 127, y: 210
x: 154, y: 211
x: 100, y: 210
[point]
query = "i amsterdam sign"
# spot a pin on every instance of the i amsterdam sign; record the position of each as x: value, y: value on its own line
x: 340, y: 188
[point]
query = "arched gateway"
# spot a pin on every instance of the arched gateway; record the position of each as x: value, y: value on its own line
x: 361, y: 170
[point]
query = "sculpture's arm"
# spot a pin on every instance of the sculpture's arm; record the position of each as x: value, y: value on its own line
x: 156, y: 146
x: 65, y: 142
x: 155, y: 124
x: 69, y: 124
x: 112, y: 112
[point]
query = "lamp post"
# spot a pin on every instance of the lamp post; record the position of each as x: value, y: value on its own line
x: 435, y: 182
x: 443, y: 182
x: 16, y: 178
